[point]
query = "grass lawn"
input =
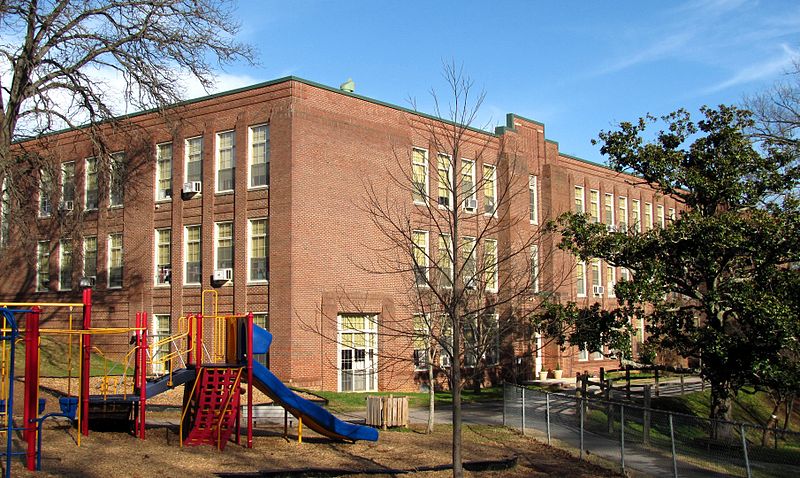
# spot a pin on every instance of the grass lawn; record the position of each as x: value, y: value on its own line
x: 348, y: 402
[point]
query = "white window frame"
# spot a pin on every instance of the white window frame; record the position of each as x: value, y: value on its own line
x: 597, y: 280
x: 444, y: 251
x: 648, y: 215
x: 218, y: 159
x: 662, y: 220
x: 159, y: 368
x: 420, y: 362
x: 445, y: 181
x: 583, y: 354
x: 5, y: 205
x: 672, y: 216
x: 86, y: 185
x: 622, y: 218
x: 579, y: 194
x: 157, y: 272
x: 83, y: 265
x: 533, y: 198
x: 371, y: 337
x: 159, y: 160
x: 490, y: 269
x: 608, y: 198
x: 250, y: 238
x: 61, y: 261
x: 470, y: 193
x: 425, y: 248
x: 580, y: 279
x: 45, y: 206
x: 108, y: 260
x: 41, y: 271
x: 424, y: 165
x: 64, y: 178
x: 492, y: 179
x: 469, y: 251
x: 611, y: 280
x: 250, y: 145
x: 116, y: 160
x: 636, y: 212
x: 594, y: 205
x: 186, y: 151
x: 186, y: 253
x: 217, y: 247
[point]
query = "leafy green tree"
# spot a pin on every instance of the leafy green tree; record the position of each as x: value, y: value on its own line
x: 715, y: 283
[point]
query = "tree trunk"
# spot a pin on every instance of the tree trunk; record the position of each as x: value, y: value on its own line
x: 431, y: 392
x: 455, y: 383
x: 722, y: 411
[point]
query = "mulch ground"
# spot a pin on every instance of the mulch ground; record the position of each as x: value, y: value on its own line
x: 119, y: 454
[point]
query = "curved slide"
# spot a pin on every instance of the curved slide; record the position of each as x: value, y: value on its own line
x: 313, y: 416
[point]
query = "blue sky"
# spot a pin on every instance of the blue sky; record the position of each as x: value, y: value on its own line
x: 576, y: 66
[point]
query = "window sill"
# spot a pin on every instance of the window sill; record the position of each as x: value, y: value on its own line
x: 580, y: 296
x: 258, y: 188
x: 583, y: 360
x: 192, y: 285
x: 116, y: 287
x: 162, y: 286
x: 258, y: 282
x: 535, y: 223
x: 117, y: 206
x: 226, y: 192
x: 162, y: 201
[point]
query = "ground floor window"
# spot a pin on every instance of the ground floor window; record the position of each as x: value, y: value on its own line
x: 358, y: 352
x: 261, y: 319
x: 161, y: 347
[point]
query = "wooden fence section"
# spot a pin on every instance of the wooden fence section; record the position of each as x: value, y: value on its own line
x: 387, y: 412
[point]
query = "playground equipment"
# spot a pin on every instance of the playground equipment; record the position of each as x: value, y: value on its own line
x: 213, y: 380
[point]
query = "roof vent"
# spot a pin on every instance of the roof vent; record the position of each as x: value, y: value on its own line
x: 348, y: 86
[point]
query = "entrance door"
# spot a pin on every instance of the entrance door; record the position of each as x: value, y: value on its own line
x: 357, y: 353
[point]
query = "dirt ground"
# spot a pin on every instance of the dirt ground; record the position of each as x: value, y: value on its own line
x: 119, y: 454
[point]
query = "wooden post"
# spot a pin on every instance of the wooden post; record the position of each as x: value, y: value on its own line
x: 646, y: 416
x: 683, y: 389
x: 602, y: 379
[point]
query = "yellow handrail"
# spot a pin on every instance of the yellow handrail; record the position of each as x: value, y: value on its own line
x: 235, y: 389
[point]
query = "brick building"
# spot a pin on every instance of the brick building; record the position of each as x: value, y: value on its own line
x: 255, y: 193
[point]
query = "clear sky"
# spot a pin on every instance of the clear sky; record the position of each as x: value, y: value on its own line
x: 576, y: 66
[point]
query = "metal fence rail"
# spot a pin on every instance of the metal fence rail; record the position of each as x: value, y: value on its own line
x: 651, y: 441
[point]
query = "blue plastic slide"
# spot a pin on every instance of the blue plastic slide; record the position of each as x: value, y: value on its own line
x: 313, y: 416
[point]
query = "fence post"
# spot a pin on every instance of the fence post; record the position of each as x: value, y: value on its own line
x: 744, y: 449
x: 547, y: 415
x: 622, y: 436
x: 505, y: 398
x: 582, y: 419
x: 658, y: 387
x: 683, y: 389
x: 646, y: 416
x: 672, y: 440
x: 523, y: 410
x: 628, y: 382
x: 602, y: 379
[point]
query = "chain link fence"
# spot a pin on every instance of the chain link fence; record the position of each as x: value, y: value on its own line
x: 651, y: 441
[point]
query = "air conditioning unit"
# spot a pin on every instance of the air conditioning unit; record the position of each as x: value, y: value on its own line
x: 66, y: 205
x: 471, y: 204
x: 598, y: 290
x: 87, y: 282
x: 223, y: 275
x: 611, y: 228
x: 192, y: 187
x: 623, y: 226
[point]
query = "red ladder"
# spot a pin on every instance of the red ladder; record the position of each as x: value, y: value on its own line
x: 216, y: 406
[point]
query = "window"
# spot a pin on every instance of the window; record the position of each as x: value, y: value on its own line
x: 358, y: 353
x: 468, y: 256
x: 114, y: 261
x: 624, y: 274
x: 65, y: 265
x: 420, y: 341
x: 648, y: 216
x: 90, y: 256
x: 672, y: 214
x: 259, y: 156
x: 117, y: 180
x: 445, y: 260
x: 67, y: 185
x: 490, y: 264
x: 597, y: 281
x: 164, y: 172
x: 580, y: 278
x: 226, y: 161
x: 446, y: 342
x: 91, y: 183
x: 662, y: 221
x: 611, y: 279
x: 420, y: 257
x: 161, y: 331
x: 224, y: 252
x: 534, y: 200
x: 163, y: 256
x: 45, y: 193
x: 535, y: 268
x: 5, y: 205
x: 583, y: 353
x: 490, y: 329
x: 194, y: 159
x: 259, y: 250
x: 43, y: 266
x: 468, y: 184
x: 192, y: 274
x: 419, y: 175
x: 594, y: 204
x: 622, y: 210
x: 580, y: 200
x: 636, y: 217
x: 261, y: 319
x: 608, y: 211
x: 489, y: 189
x: 444, y: 167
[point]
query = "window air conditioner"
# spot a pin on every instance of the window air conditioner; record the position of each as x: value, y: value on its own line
x: 471, y: 204
x: 611, y: 228
x: 597, y: 290
x: 192, y: 187
x: 223, y: 275
x: 90, y: 281
x: 66, y: 205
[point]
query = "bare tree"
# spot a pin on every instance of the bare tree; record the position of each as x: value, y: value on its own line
x: 477, y: 288
x: 71, y: 63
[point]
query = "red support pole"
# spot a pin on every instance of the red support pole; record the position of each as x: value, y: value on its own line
x: 137, y: 364
x: 250, y: 380
x: 86, y: 360
x: 31, y: 410
x: 189, y: 339
x: 143, y: 378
